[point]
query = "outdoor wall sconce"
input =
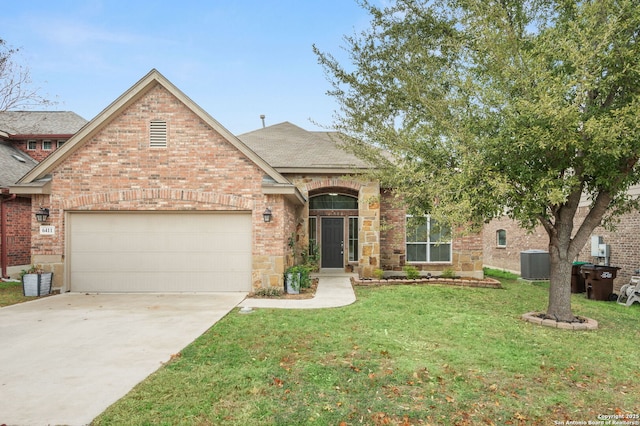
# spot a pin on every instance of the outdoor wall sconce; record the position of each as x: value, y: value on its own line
x: 267, y: 215
x: 42, y: 215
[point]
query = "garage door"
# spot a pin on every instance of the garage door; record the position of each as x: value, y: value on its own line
x: 159, y: 252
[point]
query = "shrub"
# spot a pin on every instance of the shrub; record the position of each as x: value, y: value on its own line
x: 268, y: 292
x: 448, y: 273
x: 411, y: 271
x: 378, y: 273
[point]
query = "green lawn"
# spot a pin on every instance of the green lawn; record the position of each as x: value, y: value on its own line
x: 400, y: 355
x: 11, y: 293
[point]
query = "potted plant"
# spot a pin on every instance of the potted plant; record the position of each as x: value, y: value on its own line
x: 293, y: 279
x: 36, y: 282
x: 296, y: 277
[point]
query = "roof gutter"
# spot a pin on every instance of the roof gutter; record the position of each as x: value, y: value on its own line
x: 289, y: 191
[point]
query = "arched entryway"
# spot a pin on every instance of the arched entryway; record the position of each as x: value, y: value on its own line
x: 333, y: 226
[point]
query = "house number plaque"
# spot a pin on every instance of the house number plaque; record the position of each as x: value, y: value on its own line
x: 47, y: 230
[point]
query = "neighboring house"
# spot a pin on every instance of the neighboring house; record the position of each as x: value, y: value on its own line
x: 155, y: 195
x: 504, y: 240
x: 26, y: 137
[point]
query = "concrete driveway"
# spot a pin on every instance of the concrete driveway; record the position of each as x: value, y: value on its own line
x: 64, y: 359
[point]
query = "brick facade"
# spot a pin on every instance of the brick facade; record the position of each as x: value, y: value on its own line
x: 116, y: 170
x: 18, y: 226
x: 39, y: 153
x: 467, y: 256
x: 624, y: 242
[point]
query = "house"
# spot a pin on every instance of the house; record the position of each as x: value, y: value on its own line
x: 26, y: 137
x: 154, y: 194
x: 504, y: 240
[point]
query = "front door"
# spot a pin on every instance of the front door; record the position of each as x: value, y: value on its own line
x: 332, y: 255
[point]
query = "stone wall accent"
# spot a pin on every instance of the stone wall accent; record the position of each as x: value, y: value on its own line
x: 369, y: 229
x: 467, y: 256
x: 473, y: 282
x: 368, y: 213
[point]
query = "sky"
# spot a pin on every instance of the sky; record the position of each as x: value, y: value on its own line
x: 237, y: 59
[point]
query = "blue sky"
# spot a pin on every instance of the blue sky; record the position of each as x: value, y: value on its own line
x: 237, y: 59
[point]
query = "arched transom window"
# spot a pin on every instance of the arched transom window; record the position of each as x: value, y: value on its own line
x: 333, y: 202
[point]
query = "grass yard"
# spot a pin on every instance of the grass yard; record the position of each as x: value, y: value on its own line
x: 11, y: 293
x: 401, y: 355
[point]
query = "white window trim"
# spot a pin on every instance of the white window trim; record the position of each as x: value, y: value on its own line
x: 35, y: 145
x: 50, y: 145
x: 427, y: 243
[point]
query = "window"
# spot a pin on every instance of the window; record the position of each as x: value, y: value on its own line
x: 427, y: 240
x: 313, y: 234
x: 60, y: 143
x: 333, y: 202
x: 353, y: 239
x: 501, y: 238
x: 158, y: 134
x: 31, y: 145
x: 46, y: 145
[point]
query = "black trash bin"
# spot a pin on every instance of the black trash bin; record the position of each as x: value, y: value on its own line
x: 598, y: 281
x: 577, y: 279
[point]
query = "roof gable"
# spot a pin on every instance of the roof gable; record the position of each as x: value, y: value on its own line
x: 137, y: 91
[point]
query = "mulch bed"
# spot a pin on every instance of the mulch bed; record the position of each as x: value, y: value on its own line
x: 305, y: 293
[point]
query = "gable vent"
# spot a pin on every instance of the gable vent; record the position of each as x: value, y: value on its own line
x: 158, y: 134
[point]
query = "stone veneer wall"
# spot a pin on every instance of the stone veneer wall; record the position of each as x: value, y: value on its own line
x: 368, y: 212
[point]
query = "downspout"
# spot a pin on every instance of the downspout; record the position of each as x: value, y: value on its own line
x: 3, y: 232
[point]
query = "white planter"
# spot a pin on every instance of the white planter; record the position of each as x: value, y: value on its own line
x: 37, y: 284
x: 289, y: 280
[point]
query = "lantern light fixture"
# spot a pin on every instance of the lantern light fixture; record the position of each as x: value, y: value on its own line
x: 267, y: 215
x: 42, y: 215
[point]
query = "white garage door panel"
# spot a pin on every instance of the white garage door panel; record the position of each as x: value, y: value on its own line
x: 163, y: 252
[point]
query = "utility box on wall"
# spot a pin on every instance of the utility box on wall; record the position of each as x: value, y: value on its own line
x: 534, y: 265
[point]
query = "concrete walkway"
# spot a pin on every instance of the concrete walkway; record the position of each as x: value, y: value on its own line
x: 334, y: 290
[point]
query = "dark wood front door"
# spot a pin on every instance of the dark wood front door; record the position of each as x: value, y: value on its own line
x: 332, y: 255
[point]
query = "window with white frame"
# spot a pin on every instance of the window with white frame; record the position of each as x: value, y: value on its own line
x: 61, y: 142
x: 427, y: 241
x: 32, y: 145
x: 353, y: 239
x: 501, y: 238
x: 46, y: 145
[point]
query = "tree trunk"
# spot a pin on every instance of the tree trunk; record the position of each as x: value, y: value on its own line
x: 560, y: 266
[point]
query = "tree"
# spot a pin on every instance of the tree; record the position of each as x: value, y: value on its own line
x: 474, y: 109
x: 15, y: 82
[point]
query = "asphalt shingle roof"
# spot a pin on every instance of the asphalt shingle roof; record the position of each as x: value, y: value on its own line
x: 286, y: 146
x: 16, y: 123
x: 11, y: 167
